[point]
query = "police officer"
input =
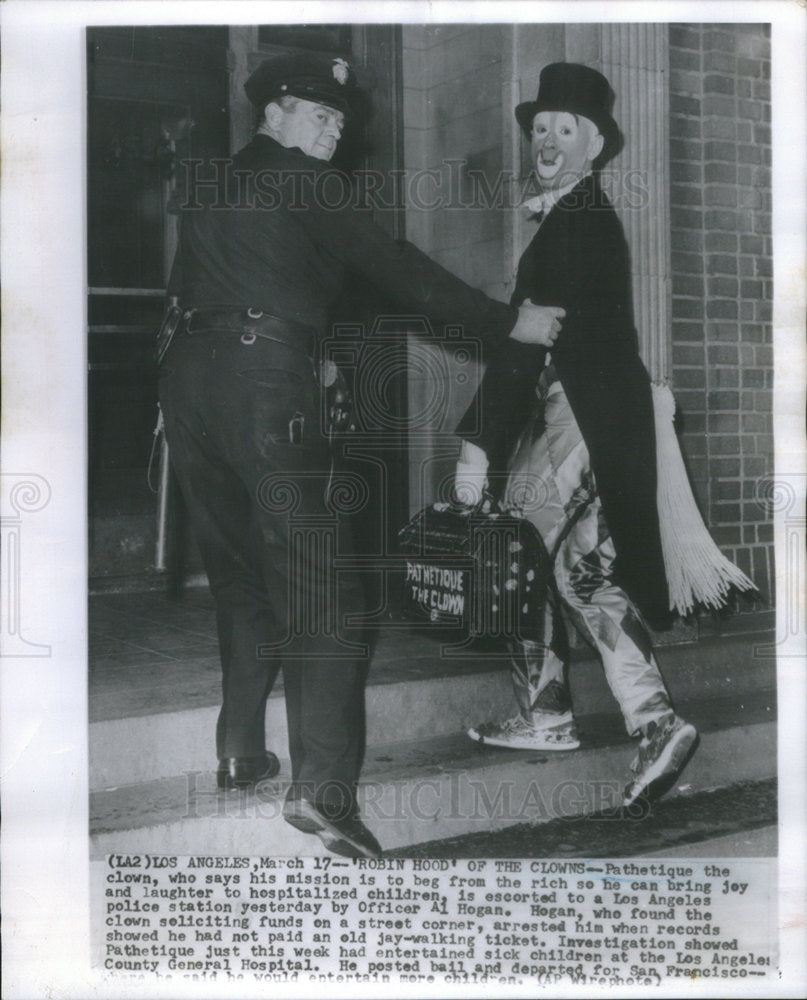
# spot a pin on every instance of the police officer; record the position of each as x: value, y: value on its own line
x: 262, y: 255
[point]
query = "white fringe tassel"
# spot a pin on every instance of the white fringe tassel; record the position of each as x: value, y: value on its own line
x: 697, y: 571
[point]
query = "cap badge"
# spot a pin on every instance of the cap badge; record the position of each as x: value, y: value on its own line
x: 340, y: 70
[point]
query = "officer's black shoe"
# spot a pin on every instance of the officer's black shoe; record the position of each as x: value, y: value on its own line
x: 348, y: 837
x: 241, y: 772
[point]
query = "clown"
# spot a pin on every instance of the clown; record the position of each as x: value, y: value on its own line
x: 581, y: 463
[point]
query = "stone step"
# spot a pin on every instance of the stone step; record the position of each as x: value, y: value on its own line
x: 430, y: 789
x: 417, y: 689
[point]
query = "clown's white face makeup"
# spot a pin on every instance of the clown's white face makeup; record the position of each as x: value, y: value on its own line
x: 563, y: 147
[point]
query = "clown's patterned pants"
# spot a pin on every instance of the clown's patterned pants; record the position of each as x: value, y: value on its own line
x: 551, y: 484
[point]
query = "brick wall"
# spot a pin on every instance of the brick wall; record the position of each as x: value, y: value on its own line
x: 720, y: 145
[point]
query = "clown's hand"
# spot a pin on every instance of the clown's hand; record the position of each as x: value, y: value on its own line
x: 470, y: 476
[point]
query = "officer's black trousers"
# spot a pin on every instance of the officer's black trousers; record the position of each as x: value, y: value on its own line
x: 242, y: 421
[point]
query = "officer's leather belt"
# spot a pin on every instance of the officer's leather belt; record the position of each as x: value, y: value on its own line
x: 252, y: 322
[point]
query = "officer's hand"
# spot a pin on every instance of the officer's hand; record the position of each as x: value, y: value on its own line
x: 538, y: 324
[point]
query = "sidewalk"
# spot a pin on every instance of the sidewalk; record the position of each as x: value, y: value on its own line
x: 738, y: 821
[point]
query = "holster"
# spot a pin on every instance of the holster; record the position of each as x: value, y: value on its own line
x: 168, y: 327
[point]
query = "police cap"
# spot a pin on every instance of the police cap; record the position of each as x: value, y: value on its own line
x: 314, y: 77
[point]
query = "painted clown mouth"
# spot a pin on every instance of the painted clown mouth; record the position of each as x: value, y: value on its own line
x: 548, y: 164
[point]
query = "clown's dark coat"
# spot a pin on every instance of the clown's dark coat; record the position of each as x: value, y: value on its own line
x: 579, y: 260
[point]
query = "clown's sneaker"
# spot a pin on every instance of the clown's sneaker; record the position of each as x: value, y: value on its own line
x: 518, y: 734
x: 663, y: 753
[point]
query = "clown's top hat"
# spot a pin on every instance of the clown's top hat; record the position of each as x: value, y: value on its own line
x: 579, y: 90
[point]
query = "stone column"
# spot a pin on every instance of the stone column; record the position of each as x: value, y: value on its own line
x: 634, y: 57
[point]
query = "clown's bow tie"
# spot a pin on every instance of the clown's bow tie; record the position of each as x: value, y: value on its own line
x: 534, y: 209
x: 537, y: 207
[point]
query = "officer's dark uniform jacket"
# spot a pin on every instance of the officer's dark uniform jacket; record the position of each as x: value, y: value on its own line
x: 285, y: 248
x: 579, y: 260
